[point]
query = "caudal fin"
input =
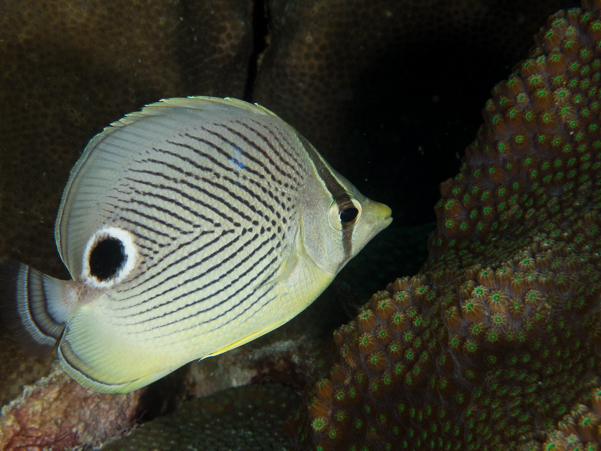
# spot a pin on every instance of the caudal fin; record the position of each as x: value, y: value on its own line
x: 32, y: 306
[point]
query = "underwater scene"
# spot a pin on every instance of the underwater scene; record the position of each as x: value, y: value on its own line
x: 397, y: 248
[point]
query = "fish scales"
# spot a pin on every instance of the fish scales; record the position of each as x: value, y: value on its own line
x: 189, y: 228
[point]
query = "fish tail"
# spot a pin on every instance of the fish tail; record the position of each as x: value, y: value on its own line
x: 33, y: 306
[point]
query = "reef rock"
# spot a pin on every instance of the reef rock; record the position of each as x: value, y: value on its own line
x: 58, y: 413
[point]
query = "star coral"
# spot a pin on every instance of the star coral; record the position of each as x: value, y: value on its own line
x: 579, y: 430
x: 241, y: 418
x: 69, y: 68
x: 496, y: 339
x: 388, y: 91
x: 72, y: 67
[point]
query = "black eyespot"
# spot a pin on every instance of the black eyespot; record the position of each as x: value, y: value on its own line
x: 348, y: 214
x: 107, y: 258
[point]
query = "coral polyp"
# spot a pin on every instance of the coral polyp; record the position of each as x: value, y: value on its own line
x: 496, y: 340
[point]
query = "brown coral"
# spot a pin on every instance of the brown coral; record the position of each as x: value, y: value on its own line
x: 70, y: 68
x: 364, y: 80
x: 18, y: 369
x: 496, y: 339
x: 248, y: 417
x: 317, y: 65
x: 578, y: 430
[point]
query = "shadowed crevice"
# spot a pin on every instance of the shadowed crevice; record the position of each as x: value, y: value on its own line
x: 260, y: 20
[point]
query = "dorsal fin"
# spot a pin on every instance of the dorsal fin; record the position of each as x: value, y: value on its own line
x: 112, y: 151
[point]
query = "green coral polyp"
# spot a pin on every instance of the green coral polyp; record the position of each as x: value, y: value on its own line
x: 318, y: 424
x: 524, y: 211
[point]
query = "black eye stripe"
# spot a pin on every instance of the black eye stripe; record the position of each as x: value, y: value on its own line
x: 337, y: 191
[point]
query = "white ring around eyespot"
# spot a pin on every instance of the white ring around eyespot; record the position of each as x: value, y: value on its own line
x: 129, y: 248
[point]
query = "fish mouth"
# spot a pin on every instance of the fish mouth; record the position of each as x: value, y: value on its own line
x: 381, y: 216
x: 386, y: 222
x: 386, y: 212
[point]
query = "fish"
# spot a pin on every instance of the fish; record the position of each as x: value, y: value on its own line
x: 188, y: 228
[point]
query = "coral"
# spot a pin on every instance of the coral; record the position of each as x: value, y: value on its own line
x: 364, y: 80
x: 578, y: 430
x: 496, y: 339
x: 58, y: 413
x: 17, y: 369
x: 392, y: 253
x: 248, y: 417
x: 70, y: 68
x: 291, y: 355
x: 311, y: 49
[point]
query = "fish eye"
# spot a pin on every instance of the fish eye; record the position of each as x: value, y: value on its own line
x: 348, y: 214
x: 109, y: 256
x: 344, y: 212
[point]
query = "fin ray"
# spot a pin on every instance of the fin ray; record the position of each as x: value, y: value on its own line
x: 31, y: 307
x: 110, y: 153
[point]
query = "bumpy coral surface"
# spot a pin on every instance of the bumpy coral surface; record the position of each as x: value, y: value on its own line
x: 579, y: 430
x: 17, y: 369
x: 496, y: 340
x: 243, y: 418
x: 392, y: 253
x: 58, y: 413
x: 70, y: 68
x: 373, y: 81
x: 313, y: 52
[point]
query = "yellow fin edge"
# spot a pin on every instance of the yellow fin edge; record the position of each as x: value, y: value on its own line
x: 248, y: 338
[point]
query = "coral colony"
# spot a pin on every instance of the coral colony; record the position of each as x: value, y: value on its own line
x: 495, y: 341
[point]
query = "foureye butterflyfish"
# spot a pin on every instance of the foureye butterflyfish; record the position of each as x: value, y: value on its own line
x: 189, y: 228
